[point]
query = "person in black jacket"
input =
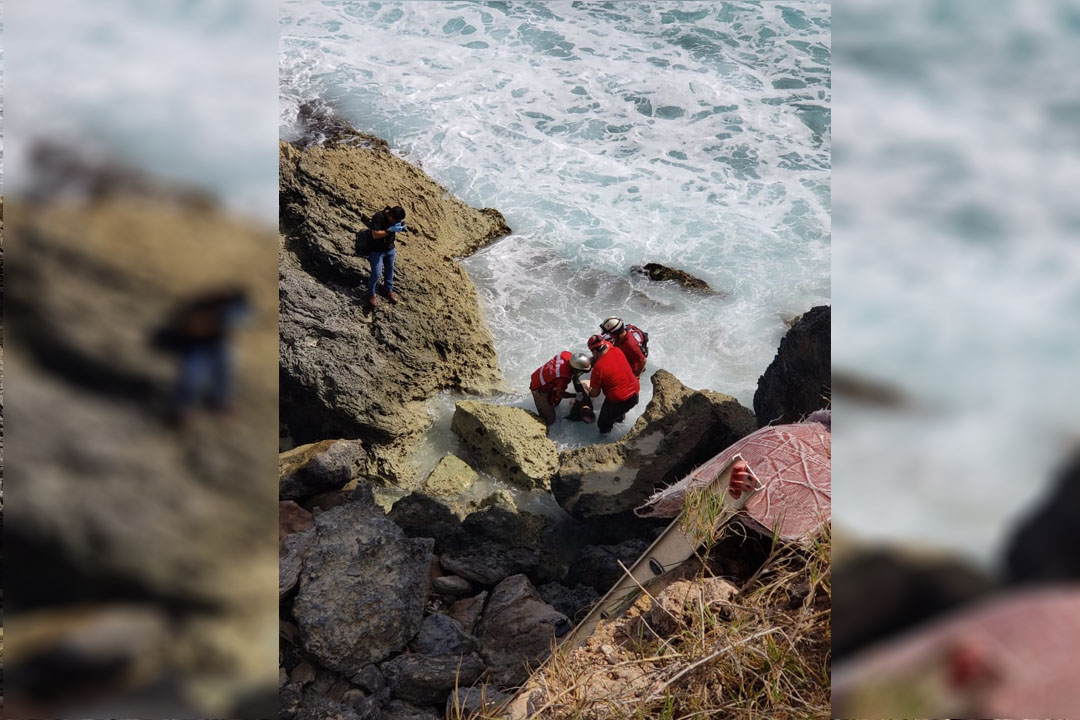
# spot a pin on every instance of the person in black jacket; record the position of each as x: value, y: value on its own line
x: 384, y: 227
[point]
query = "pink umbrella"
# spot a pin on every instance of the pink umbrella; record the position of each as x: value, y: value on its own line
x: 792, y: 463
x: 1012, y: 657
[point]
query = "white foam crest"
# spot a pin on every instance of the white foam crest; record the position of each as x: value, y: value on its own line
x: 608, y: 137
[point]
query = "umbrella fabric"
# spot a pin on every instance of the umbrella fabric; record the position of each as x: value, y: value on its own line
x: 793, y: 463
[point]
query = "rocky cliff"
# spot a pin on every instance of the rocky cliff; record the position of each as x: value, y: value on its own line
x: 348, y: 371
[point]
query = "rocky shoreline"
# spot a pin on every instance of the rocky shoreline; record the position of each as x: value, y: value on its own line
x: 386, y: 614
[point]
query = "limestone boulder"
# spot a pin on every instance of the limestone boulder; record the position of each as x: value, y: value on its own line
x: 348, y: 371
x: 507, y: 442
x: 517, y: 630
x: 798, y: 381
x: 362, y: 589
x: 680, y: 429
x: 318, y: 467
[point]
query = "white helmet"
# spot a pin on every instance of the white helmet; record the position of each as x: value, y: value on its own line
x: 580, y: 361
x: 612, y: 325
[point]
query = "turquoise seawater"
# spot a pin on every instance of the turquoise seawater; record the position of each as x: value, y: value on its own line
x: 697, y: 135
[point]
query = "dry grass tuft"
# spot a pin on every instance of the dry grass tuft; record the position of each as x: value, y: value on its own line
x: 702, y: 648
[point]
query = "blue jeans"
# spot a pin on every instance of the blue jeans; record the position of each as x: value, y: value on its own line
x: 382, y: 263
x: 205, y: 370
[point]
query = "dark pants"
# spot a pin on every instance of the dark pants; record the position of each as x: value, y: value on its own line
x: 612, y: 412
x: 382, y: 263
x: 205, y: 370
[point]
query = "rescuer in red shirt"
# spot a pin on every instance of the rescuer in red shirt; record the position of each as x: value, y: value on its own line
x: 611, y: 374
x: 632, y: 340
x: 549, y: 382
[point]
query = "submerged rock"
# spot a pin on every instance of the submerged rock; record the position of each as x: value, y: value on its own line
x: 680, y: 429
x: 658, y: 272
x: 362, y: 589
x: 347, y: 371
x: 507, y: 442
x: 797, y: 381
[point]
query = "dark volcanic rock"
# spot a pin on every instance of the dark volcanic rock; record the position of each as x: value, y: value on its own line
x: 442, y: 635
x: 598, y: 565
x: 797, y: 381
x: 346, y: 371
x: 1043, y: 548
x: 291, y: 558
x: 362, y: 589
x: 451, y: 585
x: 467, y: 611
x: 517, y: 630
x: 428, y: 680
x: 680, y: 429
x: 574, y: 602
x: 878, y: 593
x: 658, y: 272
x: 318, y: 467
x: 420, y: 515
x: 509, y: 527
x: 401, y: 710
x: 488, y: 563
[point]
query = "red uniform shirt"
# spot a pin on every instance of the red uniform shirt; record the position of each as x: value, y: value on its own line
x: 553, y: 376
x: 612, y: 374
x: 632, y: 350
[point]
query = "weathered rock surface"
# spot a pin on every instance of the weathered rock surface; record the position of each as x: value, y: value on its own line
x: 507, y: 442
x: 658, y: 272
x: 401, y: 710
x: 442, y: 635
x: 451, y: 585
x: 680, y: 429
x: 347, y: 372
x: 110, y: 496
x: 517, y: 630
x: 467, y: 612
x: 419, y: 515
x: 317, y: 467
x: 450, y: 477
x: 597, y: 566
x: 508, y: 526
x: 487, y: 563
x: 428, y: 680
x: 573, y: 602
x: 292, y: 518
x: 1043, y: 548
x: 362, y: 589
x: 797, y: 381
x: 291, y: 558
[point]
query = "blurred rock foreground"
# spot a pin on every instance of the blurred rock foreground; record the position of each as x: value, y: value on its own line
x: 393, y: 614
x: 119, y: 516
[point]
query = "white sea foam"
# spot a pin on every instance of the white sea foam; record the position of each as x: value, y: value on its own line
x: 955, y: 262
x: 695, y: 135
